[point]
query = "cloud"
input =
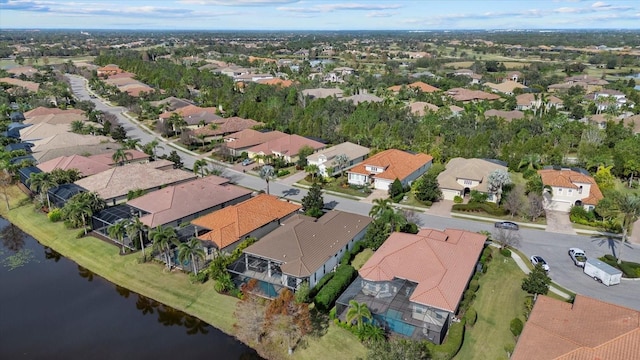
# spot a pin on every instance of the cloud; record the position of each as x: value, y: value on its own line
x: 239, y: 2
x: 377, y: 13
x: 325, y: 8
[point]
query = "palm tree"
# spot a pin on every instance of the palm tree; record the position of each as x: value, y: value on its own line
x: 531, y: 161
x: 131, y: 144
x: 163, y: 237
x: 191, y: 250
x: 77, y: 127
x: 380, y: 207
x: 42, y: 183
x: 78, y: 209
x: 312, y: 169
x: 117, y: 231
x: 120, y: 157
x: 135, y: 227
x: 358, y: 312
x: 201, y: 167
x: 629, y: 208
x: 267, y: 172
x: 150, y: 148
x: 341, y: 161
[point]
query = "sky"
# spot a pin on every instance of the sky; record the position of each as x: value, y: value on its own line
x: 319, y: 14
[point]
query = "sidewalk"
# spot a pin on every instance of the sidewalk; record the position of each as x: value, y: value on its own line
x: 523, y: 266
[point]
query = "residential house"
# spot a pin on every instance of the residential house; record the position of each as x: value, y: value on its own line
x: 514, y: 76
x: 321, y: 93
x: 463, y: 175
x: 420, y: 108
x: 303, y: 249
x: 507, y: 87
x: 568, y: 188
x: 171, y: 103
x: 633, y: 122
x: 85, y: 166
x: 414, y: 283
x: 507, y: 115
x: 475, y: 78
x: 43, y: 130
x: 384, y: 167
x: 256, y: 217
x: 223, y: 127
x: 67, y: 140
x: 243, y: 140
x: 285, y: 147
x: 250, y: 77
x: 360, y: 98
x: 530, y: 101
x: 325, y: 159
x: 587, y: 329
x: 28, y: 85
x: 418, y: 85
x: 41, y: 110
x: 132, y: 156
x: 607, y: 98
x: 28, y: 71
x: 109, y: 70
x: 85, y: 150
x: 194, y: 116
x: 114, y: 184
x: 276, y: 82
x: 56, y: 119
x: 179, y: 204
x: 466, y: 95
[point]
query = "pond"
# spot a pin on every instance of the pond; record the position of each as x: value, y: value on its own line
x: 51, y: 308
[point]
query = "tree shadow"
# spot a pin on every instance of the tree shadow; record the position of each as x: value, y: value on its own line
x: 611, y: 242
x: 330, y: 205
x: 290, y: 192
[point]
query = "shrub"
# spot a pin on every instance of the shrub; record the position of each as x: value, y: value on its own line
x: 471, y: 316
x: 457, y: 199
x: 469, y: 295
x: 320, y: 284
x: 629, y: 269
x: 489, y: 208
x: 487, y: 255
x: 516, y: 327
x: 505, y: 252
x: 282, y: 173
x: 474, y: 285
x: 80, y: 234
x: 55, y: 215
x: 332, y: 313
x: 327, y: 296
x: 452, y: 344
x: 201, y: 277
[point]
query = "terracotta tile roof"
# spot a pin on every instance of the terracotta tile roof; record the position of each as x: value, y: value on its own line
x: 86, y: 166
x: 249, y: 137
x: 567, y: 178
x: 440, y: 262
x: 398, y: 164
x: 29, y: 85
x: 189, y: 110
x: 118, y: 181
x: 506, y: 87
x: 588, y: 329
x: 276, y: 82
x: 303, y: 244
x: 178, y: 201
x: 424, y: 87
x: 471, y: 169
x: 528, y: 99
x: 227, y: 126
x: 41, y: 110
x: 230, y: 224
x: 287, y: 145
x: 461, y: 94
x: 43, y: 130
x: 107, y: 157
x: 68, y: 140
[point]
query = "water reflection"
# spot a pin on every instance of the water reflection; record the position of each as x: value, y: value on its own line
x: 51, y: 254
x: 12, y: 238
x: 84, y: 273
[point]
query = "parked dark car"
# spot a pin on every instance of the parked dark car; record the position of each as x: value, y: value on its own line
x: 507, y: 225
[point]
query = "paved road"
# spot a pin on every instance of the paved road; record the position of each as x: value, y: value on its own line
x: 551, y: 246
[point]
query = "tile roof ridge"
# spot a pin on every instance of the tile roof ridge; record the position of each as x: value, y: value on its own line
x: 173, y: 190
x: 555, y: 334
x: 111, y: 172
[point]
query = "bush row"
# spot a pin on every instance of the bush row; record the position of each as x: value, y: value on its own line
x: 489, y: 208
x: 350, y: 254
x: 328, y: 295
x: 629, y: 269
x: 316, y: 289
x: 451, y: 346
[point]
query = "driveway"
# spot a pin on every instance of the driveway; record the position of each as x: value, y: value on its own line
x: 558, y: 222
x: 441, y: 208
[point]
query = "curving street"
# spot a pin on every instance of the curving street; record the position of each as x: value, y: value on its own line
x: 551, y: 246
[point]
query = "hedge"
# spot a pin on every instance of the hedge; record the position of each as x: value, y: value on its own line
x: 505, y: 252
x: 489, y: 208
x: 350, y: 254
x: 516, y: 327
x: 451, y: 345
x: 320, y: 284
x: 471, y: 316
x: 628, y: 268
x: 474, y: 285
x: 328, y: 295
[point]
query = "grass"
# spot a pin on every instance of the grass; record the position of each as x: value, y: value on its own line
x: 361, y: 258
x: 151, y: 280
x: 335, y: 187
x: 498, y: 301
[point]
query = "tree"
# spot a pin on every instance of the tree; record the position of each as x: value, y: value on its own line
x: 426, y: 188
x: 151, y: 147
x: 303, y: 153
x: 396, y: 189
x: 250, y: 315
x: 380, y: 207
x: 77, y: 126
x: 131, y: 144
x: 175, y: 159
x: 629, y: 208
x: 118, y: 133
x: 358, y: 312
x: 163, y: 237
x: 191, y: 250
x: 42, y: 183
x: 515, y: 200
x: 313, y: 202
x: 313, y: 170
x: 267, y: 172
x: 121, y: 156
x: 497, y: 180
x: 341, y: 161
x: 535, y: 207
x: 287, y: 321
x: 506, y: 237
x: 136, y: 228
x: 77, y: 209
x: 6, y: 180
x: 537, y: 282
x: 117, y: 231
x: 200, y: 167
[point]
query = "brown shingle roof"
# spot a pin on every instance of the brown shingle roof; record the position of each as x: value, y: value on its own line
x: 471, y: 169
x: 567, y: 178
x: 398, y: 164
x: 41, y: 110
x: 232, y: 223
x: 287, y: 145
x: 29, y: 85
x: 56, y: 119
x: 118, y: 181
x: 249, y: 137
x: 179, y: 201
x: 86, y: 166
x: 107, y: 157
x: 227, y: 126
x: 461, y: 94
x: 43, y: 130
x: 304, y: 244
x: 507, y: 115
x: 587, y: 329
x: 67, y: 140
x: 440, y: 262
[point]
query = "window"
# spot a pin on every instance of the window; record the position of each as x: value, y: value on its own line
x: 570, y: 191
x: 468, y: 182
x: 580, y: 190
x: 559, y: 190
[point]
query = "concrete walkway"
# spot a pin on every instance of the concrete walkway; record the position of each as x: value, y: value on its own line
x: 523, y: 266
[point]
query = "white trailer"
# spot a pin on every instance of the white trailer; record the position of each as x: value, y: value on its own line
x: 602, y: 272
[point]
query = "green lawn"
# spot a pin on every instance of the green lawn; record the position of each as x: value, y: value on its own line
x: 151, y: 280
x: 335, y: 187
x: 498, y: 300
x: 361, y: 258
